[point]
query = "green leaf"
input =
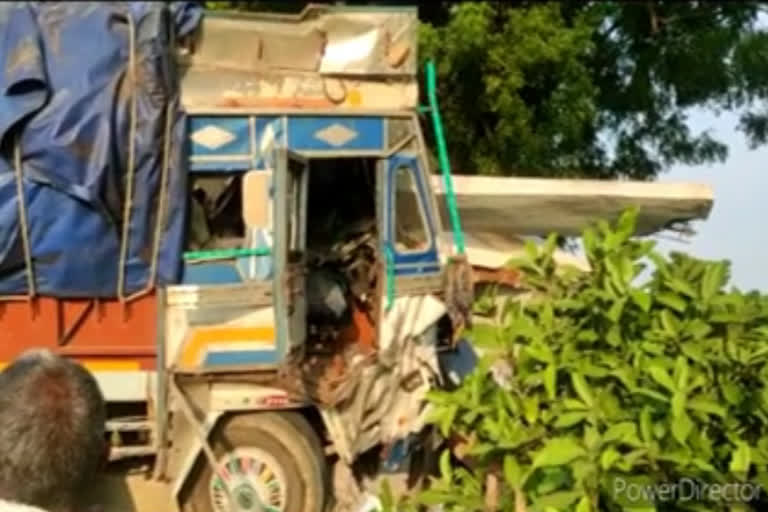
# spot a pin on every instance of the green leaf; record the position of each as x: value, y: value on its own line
x: 694, y: 351
x: 541, y: 353
x: 584, y: 505
x: 557, y: 452
x: 446, y: 472
x: 697, y: 329
x: 628, y: 460
x: 646, y: 424
x: 678, y: 404
x: 682, y: 287
x: 608, y: 458
x: 531, y: 408
x: 582, y: 389
x: 531, y: 250
x: 587, y: 336
x: 549, y: 479
x: 661, y: 376
x: 625, y: 226
x: 642, y: 299
x: 574, y: 405
x: 560, y: 500
x: 550, y: 381
x: 615, y: 311
x: 681, y: 427
x: 712, y: 281
x: 589, y: 240
x: 670, y: 323
x: 651, y: 394
x: 731, y: 392
x: 512, y: 472
x: 446, y: 419
x: 591, y: 437
x: 625, y: 431
x: 741, y: 459
x: 706, y: 406
x: 614, y: 337
x: 672, y: 301
x: 569, y: 419
x: 682, y: 371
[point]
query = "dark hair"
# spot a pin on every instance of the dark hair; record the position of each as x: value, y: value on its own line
x: 52, y: 423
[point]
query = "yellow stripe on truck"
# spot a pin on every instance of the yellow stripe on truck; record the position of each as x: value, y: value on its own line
x: 117, y: 365
x: 195, y: 347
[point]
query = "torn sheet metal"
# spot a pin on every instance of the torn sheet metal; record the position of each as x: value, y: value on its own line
x: 508, y: 206
x: 204, y: 89
x: 389, y: 396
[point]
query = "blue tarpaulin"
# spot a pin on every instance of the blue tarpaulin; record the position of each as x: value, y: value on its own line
x: 83, y: 86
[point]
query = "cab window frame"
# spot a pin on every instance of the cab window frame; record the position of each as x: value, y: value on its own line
x: 416, y: 187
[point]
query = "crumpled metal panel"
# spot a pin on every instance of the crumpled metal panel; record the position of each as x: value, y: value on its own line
x: 388, y: 401
x: 324, y: 57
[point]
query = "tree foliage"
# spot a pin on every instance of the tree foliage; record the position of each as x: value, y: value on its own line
x: 600, y: 89
x: 595, y: 89
x: 598, y: 385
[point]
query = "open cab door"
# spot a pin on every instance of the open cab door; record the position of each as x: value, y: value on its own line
x: 290, y: 214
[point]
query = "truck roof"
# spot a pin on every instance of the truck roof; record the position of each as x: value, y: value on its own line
x: 325, y: 57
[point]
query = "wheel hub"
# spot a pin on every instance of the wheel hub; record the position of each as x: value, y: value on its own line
x: 248, y: 480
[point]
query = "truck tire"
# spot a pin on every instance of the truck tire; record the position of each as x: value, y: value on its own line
x: 272, y: 459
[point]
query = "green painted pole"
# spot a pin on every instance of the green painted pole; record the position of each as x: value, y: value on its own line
x: 223, y: 254
x: 442, y: 155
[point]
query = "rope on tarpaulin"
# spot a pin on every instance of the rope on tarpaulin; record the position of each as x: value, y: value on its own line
x: 132, y: 129
x: 164, y: 178
x: 131, y: 167
x: 23, y: 223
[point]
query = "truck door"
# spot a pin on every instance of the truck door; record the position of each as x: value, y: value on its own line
x: 410, y: 233
x: 290, y: 207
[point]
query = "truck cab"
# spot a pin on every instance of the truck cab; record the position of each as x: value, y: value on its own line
x: 312, y: 299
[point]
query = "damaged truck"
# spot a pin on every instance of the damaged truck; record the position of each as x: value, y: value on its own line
x: 231, y: 220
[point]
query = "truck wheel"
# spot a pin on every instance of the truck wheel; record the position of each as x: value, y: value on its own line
x: 271, y: 462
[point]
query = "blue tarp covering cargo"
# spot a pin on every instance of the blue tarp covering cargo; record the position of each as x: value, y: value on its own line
x: 91, y: 133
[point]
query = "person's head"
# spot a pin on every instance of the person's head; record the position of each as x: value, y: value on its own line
x: 52, y: 421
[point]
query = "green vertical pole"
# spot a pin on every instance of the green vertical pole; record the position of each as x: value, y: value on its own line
x: 442, y: 155
x: 390, y: 258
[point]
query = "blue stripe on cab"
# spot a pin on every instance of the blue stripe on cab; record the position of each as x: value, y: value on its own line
x: 336, y: 133
x: 414, y: 271
x: 241, y: 357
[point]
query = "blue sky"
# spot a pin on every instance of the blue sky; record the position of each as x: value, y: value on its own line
x: 741, y: 204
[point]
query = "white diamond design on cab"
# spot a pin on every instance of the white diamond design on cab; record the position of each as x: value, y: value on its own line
x: 212, y: 137
x: 336, y: 135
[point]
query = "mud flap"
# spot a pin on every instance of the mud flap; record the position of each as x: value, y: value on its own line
x: 457, y: 363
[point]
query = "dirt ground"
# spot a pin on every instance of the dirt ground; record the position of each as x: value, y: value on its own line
x: 132, y: 493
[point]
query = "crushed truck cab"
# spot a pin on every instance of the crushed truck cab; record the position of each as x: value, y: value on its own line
x: 254, y: 270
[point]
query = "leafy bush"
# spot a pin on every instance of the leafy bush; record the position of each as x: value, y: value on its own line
x: 597, y: 387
